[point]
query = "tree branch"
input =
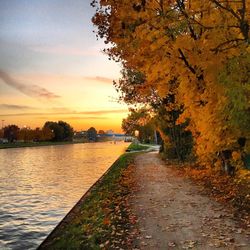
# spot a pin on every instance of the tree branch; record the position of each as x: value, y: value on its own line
x: 183, y: 57
x: 220, y: 46
x: 225, y: 8
x: 181, y: 6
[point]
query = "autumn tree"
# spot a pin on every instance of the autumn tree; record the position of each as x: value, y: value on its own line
x: 139, y: 120
x: 165, y: 112
x: 92, y: 134
x: 101, y: 132
x: 11, y: 132
x: 25, y: 134
x: 35, y: 135
x: 62, y: 131
x: 199, y: 43
x: 38, y: 135
x: 177, y: 139
x: 47, y: 134
x: 1, y: 133
x: 67, y: 130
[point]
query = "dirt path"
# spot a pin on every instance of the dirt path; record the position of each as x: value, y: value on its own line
x: 172, y: 214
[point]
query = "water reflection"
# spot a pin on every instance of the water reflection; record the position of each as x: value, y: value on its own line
x: 38, y: 186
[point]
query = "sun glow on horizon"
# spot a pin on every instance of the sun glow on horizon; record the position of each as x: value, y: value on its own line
x: 52, y: 67
x: 81, y: 101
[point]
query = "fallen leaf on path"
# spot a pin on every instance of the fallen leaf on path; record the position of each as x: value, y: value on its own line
x: 230, y: 239
x: 188, y: 244
x: 171, y: 244
x: 241, y: 245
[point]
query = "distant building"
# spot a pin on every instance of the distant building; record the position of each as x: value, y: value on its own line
x: 80, y: 136
x: 109, y: 135
x: 115, y: 137
x: 110, y: 132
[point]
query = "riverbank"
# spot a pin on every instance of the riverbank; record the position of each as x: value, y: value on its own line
x: 137, y: 147
x: 35, y: 144
x: 44, y: 183
x: 101, y: 218
x: 132, y: 147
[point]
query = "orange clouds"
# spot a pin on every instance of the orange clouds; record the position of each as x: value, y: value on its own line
x: 29, y: 90
x: 94, y: 112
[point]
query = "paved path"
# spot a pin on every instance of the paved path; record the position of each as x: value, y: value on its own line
x: 172, y: 214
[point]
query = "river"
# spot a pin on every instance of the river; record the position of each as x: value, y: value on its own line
x: 39, y: 185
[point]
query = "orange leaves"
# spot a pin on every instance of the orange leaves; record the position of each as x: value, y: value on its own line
x: 221, y: 187
x: 106, y: 221
x: 236, y: 155
x: 200, y: 43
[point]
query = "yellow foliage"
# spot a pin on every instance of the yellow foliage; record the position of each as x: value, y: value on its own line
x: 243, y: 175
x: 236, y: 155
x: 204, y: 45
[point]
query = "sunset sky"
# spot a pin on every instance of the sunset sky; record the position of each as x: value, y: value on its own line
x: 52, y: 67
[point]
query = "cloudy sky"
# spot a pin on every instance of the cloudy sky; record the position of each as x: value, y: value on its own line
x: 52, y: 67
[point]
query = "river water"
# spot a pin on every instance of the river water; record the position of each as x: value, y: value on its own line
x: 39, y: 185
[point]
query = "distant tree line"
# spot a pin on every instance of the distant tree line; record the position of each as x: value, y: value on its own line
x: 92, y: 135
x: 51, y: 131
x: 62, y: 130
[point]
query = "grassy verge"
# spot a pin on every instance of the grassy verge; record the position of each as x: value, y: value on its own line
x: 33, y: 144
x: 137, y: 147
x: 102, y: 219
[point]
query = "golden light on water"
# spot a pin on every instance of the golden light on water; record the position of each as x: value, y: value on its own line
x: 41, y: 184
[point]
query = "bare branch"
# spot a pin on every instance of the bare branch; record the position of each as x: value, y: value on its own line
x: 225, y: 8
x: 220, y: 46
x: 183, y: 57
